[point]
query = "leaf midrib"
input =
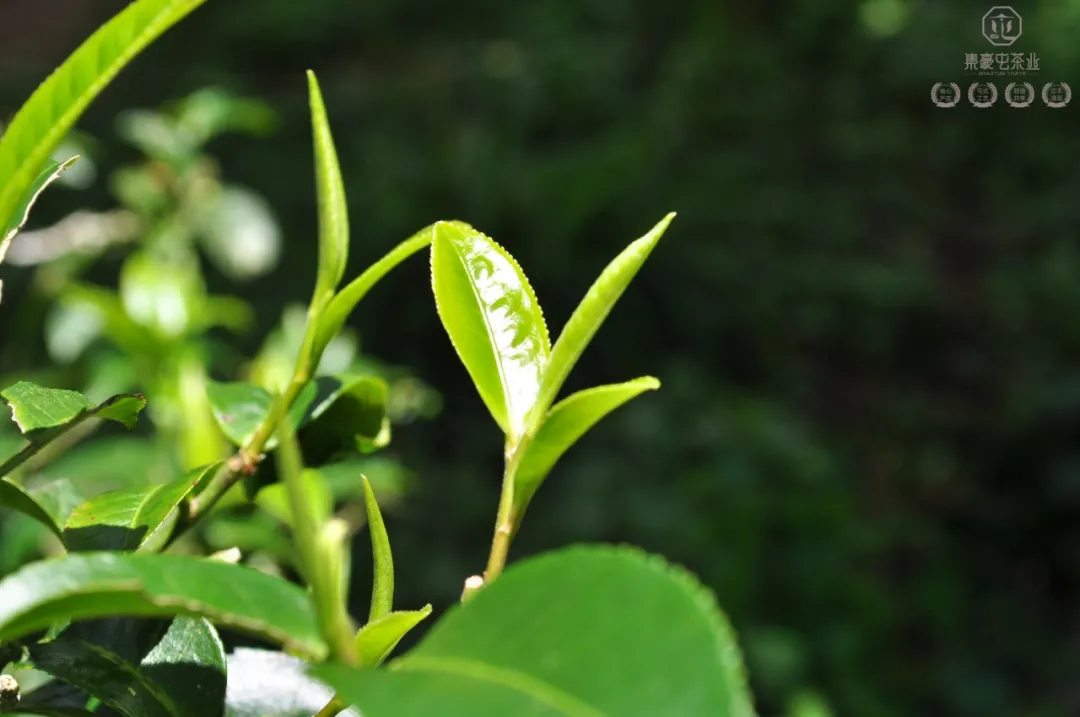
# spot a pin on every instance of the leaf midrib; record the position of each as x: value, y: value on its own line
x: 136, y: 674
x: 544, y: 692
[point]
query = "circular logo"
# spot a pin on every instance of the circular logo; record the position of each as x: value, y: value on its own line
x: 982, y: 94
x: 1056, y: 94
x: 1002, y: 26
x: 1019, y: 94
x: 945, y: 95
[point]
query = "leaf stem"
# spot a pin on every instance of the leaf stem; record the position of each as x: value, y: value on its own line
x: 332, y: 708
x: 505, y: 518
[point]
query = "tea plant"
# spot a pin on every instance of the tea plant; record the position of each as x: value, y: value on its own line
x: 127, y: 626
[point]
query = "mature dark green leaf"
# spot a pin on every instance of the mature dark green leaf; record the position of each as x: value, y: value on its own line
x: 240, y: 408
x: 583, y: 632
x: 89, y: 585
x: 568, y: 421
x: 376, y: 640
x: 55, y: 106
x: 493, y: 319
x: 272, y: 684
x: 133, y: 518
x: 14, y: 498
x: 333, y: 210
x: 333, y: 318
x: 590, y: 314
x: 382, y: 588
x: 182, y: 675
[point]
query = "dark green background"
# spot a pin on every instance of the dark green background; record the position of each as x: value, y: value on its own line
x: 866, y: 316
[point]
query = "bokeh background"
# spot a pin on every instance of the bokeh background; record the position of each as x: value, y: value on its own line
x: 866, y: 316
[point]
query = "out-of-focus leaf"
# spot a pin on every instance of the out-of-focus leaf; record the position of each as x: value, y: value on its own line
x: 274, y: 498
x: 568, y: 421
x: 55, y: 106
x: 493, y: 319
x: 57, y: 498
x: 240, y: 233
x: 167, y: 298
x: 590, y: 314
x: 347, y: 412
x: 132, y: 519
x: 182, y: 675
x: 240, y: 408
x: 377, y: 639
x: 583, y: 632
x: 212, y: 111
x: 89, y: 585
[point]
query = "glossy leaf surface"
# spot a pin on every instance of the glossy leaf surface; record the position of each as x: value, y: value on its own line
x: 568, y: 421
x: 14, y: 498
x: 378, y: 638
x: 382, y: 588
x: 272, y: 684
x: 591, y: 312
x: 90, y: 585
x: 337, y: 312
x: 333, y: 211
x: 183, y: 674
x: 132, y: 519
x: 53, y: 109
x: 493, y: 319
x: 583, y: 632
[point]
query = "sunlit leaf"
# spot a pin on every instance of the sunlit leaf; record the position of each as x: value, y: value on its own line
x: 36, y: 409
x: 568, y: 421
x: 272, y: 684
x: 382, y: 589
x: 134, y: 518
x: 590, y: 314
x: 53, y: 109
x: 493, y: 319
x: 583, y: 632
x: 378, y: 638
x: 181, y: 674
x: 330, y: 192
x: 241, y: 408
x: 90, y: 585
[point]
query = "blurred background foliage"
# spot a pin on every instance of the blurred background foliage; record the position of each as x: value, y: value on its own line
x: 865, y: 315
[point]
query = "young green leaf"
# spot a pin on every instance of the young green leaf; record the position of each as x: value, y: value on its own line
x: 493, y: 319
x: 90, y: 585
x: 47, y: 176
x: 333, y: 318
x: 55, y: 106
x: 134, y: 518
x: 382, y: 589
x: 590, y: 314
x: 333, y: 210
x: 583, y: 632
x: 182, y: 675
x: 378, y: 638
x: 13, y: 498
x: 568, y: 421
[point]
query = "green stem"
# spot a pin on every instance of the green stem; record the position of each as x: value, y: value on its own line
x: 505, y: 518
x: 332, y: 708
x: 36, y: 446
